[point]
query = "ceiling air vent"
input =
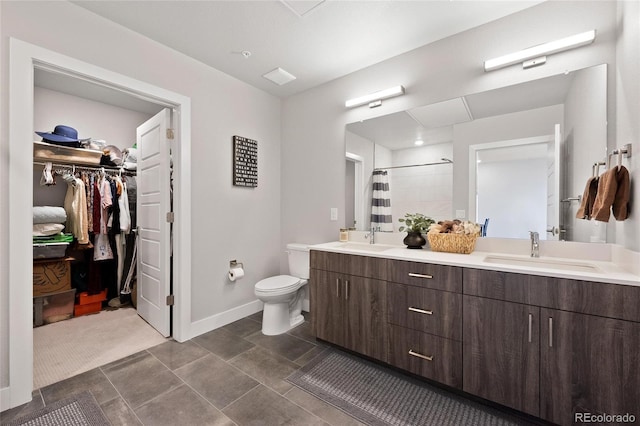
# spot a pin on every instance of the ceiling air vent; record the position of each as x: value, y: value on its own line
x: 279, y: 76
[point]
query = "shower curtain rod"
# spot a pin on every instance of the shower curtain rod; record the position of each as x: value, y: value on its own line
x: 445, y: 161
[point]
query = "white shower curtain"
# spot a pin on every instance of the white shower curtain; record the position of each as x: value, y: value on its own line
x: 381, y: 202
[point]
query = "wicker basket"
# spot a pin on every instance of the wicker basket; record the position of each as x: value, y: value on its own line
x: 452, y: 243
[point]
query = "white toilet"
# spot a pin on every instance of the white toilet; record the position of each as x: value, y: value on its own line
x: 283, y: 294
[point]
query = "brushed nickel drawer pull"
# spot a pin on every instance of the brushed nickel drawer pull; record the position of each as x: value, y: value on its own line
x: 412, y: 274
x: 416, y: 354
x: 420, y: 311
x: 550, y: 332
x: 530, y: 326
x: 338, y: 287
x: 346, y: 289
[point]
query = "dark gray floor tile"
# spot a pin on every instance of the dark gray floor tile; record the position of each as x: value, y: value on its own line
x: 175, y: 355
x: 216, y: 380
x: 304, y: 359
x: 256, y: 317
x: 285, y: 345
x: 325, y: 411
x: 303, y: 331
x: 36, y: 403
x: 263, y: 406
x: 181, y: 406
x: 266, y: 367
x: 119, y: 413
x: 223, y: 343
x: 93, y: 381
x: 140, y: 378
x: 243, y: 327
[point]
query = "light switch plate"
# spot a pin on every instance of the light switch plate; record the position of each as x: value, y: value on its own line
x: 334, y: 213
x: 460, y: 214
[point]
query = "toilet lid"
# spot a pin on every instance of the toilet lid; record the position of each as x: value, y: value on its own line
x: 279, y: 282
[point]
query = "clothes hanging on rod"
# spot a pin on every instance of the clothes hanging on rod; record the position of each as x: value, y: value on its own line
x: 97, y: 203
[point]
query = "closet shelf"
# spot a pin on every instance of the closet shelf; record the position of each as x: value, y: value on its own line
x: 47, y: 152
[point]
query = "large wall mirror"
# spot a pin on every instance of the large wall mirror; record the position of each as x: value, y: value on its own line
x: 518, y: 155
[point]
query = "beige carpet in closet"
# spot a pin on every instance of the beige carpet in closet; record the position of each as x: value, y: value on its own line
x: 67, y: 348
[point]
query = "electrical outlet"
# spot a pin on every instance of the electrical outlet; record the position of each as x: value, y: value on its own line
x: 334, y: 213
x: 460, y: 214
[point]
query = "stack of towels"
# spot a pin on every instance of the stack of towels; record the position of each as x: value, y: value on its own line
x: 605, y: 194
x: 48, y: 220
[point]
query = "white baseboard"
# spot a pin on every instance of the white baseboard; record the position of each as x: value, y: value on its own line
x: 216, y: 321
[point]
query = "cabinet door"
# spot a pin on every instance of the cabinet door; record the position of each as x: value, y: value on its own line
x: 365, y: 304
x: 501, y: 359
x: 329, y: 307
x: 588, y: 364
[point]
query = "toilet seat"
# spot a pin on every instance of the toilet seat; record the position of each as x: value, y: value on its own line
x: 279, y: 284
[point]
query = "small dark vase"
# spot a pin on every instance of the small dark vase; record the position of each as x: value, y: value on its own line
x: 414, y: 240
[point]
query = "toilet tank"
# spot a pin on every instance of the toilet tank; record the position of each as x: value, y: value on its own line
x: 298, y: 260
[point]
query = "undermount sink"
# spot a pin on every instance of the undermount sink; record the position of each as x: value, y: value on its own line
x: 536, y: 262
x: 365, y: 246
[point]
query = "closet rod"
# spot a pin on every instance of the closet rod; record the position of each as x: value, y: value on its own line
x: 109, y: 169
x: 444, y: 161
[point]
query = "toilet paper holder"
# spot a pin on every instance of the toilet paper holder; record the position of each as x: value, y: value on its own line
x: 235, y: 264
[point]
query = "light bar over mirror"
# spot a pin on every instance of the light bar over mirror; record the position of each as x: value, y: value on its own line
x: 541, y: 50
x: 377, y: 96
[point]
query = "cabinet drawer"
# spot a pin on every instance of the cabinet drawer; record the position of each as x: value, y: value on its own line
x: 585, y: 297
x: 426, y: 355
x: 439, y: 277
x: 360, y: 266
x: 432, y: 311
x: 497, y: 285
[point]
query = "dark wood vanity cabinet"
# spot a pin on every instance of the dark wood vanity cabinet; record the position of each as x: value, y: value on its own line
x: 502, y: 352
x: 425, y: 320
x: 588, y: 364
x: 545, y: 345
x: 550, y: 347
x: 349, y: 310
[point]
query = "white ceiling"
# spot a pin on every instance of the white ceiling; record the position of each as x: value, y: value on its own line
x: 316, y: 40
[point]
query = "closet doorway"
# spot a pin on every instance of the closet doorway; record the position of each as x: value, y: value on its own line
x: 25, y: 59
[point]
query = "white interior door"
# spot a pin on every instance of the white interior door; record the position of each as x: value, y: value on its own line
x: 553, y: 186
x: 153, y: 204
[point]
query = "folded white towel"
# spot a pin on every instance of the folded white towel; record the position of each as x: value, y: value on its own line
x: 49, y: 214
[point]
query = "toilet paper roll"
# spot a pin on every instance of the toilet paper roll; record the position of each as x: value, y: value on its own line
x: 236, y: 273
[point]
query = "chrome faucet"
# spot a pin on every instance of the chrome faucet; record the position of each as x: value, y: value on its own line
x: 535, y: 244
x: 371, y: 235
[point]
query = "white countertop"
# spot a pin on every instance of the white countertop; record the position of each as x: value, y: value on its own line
x: 606, y: 271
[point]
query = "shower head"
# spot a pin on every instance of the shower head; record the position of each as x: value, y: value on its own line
x: 447, y: 160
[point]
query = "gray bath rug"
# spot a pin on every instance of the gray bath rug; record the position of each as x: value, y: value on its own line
x: 78, y: 410
x: 379, y: 396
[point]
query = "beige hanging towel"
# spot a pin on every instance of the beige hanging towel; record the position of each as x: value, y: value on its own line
x: 588, y: 199
x: 613, y: 192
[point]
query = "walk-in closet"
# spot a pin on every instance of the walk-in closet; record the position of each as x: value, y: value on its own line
x: 87, y: 250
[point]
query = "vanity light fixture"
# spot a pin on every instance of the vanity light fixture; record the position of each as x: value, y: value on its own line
x: 535, y: 55
x: 375, y: 99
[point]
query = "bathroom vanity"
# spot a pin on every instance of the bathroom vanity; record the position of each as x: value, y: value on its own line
x: 550, y: 343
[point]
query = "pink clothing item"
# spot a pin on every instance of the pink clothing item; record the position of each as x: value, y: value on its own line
x: 105, y: 203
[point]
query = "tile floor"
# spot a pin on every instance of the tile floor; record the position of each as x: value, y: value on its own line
x: 230, y: 376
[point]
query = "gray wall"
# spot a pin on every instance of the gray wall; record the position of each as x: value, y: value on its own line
x: 313, y: 122
x: 225, y: 220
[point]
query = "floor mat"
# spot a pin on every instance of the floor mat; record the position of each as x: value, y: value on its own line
x: 376, y: 395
